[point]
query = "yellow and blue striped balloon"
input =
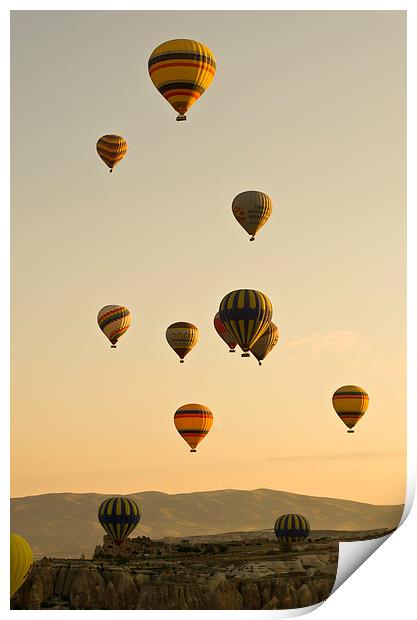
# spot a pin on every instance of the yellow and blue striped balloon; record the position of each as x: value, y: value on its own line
x: 21, y: 562
x: 246, y: 315
x: 292, y: 527
x: 182, y: 70
x: 119, y: 516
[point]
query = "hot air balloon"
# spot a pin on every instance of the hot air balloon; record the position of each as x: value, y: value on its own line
x: 182, y: 337
x: 246, y: 315
x: 265, y: 343
x: 181, y: 69
x: 21, y: 561
x: 292, y: 527
x: 111, y: 149
x: 350, y: 403
x: 193, y: 422
x: 119, y: 516
x: 252, y: 210
x: 113, y: 321
x: 224, y: 334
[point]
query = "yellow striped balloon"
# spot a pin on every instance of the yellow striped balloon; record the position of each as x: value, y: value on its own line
x: 111, y: 149
x: 182, y: 69
x: 114, y: 321
x: 182, y: 337
x: 252, y: 210
x: 350, y: 403
x: 119, y: 516
x: 265, y: 343
x: 246, y: 315
x: 292, y: 527
x: 193, y: 422
x: 21, y: 562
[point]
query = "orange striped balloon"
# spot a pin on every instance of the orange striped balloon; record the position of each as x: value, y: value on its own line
x: 193, y: 422
x: 350, y: 403
x: 111, y: 149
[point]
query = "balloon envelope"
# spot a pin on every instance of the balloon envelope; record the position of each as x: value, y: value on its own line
x: 265, y: 343
x: 246, y: 314
x: 119, y: 516
x: 111, y: 149
x: 224, y: 334
x: 350, y: 403
x: 182, y: 337
x: 181, y: 70
x: 193, y: 422
x: 292, y: 527
x: 252, y: 210
x: 114, y: 321
x: 21, y: 561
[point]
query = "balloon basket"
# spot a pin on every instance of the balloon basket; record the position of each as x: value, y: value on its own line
x: 181, y: 117
x: 111, y: 169
x: 113, y: 346
x: 245, y: 354
x: 181, y: 361
x: 252, y: 239
x: 193, y: 450
x: 351, y: 431
x: 260, y: 363
x: 232, y: 351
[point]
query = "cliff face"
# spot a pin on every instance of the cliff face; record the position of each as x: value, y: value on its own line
x: 273, y: 584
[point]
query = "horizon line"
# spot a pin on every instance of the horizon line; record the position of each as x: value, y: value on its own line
x: 207, y: 491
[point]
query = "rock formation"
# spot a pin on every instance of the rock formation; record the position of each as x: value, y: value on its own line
x: 199, y: 577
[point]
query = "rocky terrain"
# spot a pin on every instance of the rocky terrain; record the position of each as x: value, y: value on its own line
x: 238, y: 573
x: 66, y: 525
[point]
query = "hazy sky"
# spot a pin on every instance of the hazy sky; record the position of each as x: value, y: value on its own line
x: 307, y: 106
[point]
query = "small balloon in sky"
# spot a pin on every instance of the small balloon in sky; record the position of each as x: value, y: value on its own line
x: 182, y: 337
x: 193, y: 422
x: 252, y: 210
x: 350, y: 403
x: 114, y: 321
x: 111, y: 149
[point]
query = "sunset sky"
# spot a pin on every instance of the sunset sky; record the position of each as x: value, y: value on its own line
x: 308, y: 107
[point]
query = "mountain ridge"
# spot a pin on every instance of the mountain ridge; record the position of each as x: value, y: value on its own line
x: 185, y: 493
x: 65, y: 524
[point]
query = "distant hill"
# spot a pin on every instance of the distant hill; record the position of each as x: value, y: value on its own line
x: 65, y: 524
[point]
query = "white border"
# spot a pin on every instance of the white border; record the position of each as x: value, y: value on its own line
x: 385, y: 584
